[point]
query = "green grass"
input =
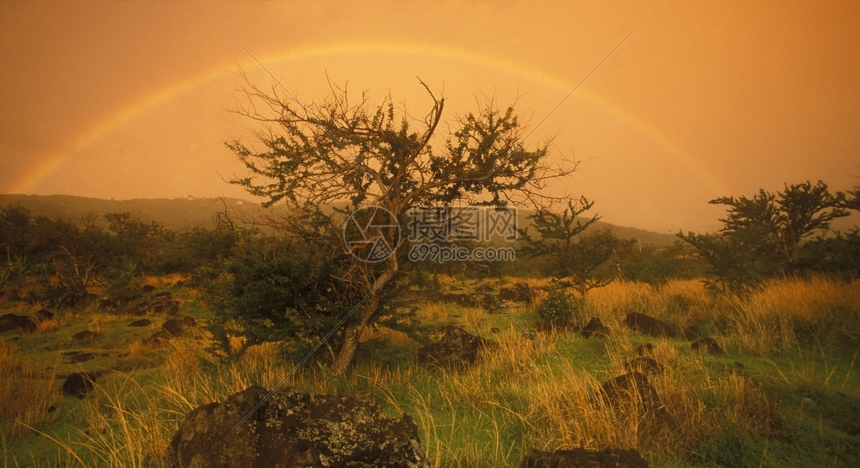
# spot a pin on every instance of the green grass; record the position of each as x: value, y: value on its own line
x: 795, y: 403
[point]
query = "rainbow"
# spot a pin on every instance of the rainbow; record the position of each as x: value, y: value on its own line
x: 52, y: 161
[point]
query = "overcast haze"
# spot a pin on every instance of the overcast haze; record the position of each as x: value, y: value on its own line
x: 127, y: 100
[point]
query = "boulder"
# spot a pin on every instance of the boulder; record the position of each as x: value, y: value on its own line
x: 172, y: 327
x: 457, y: 348
x: 108, y: 304
x: 78, y: 357
x: 147, y: 288
x: 189, y: 321
x: 645, y: 348
x: 520, y: 292
x: 13, y: 322
x: 294, y: 430
x: 79, y: 384
x: 594, y: 328
x: 582, y: 458
x: 633, y: 386
x: 85, y: 335
x: 648, y: 325
x: 644, y: 365
x: 42, y: 315
x: 157, y: 338
x: 707, y: 345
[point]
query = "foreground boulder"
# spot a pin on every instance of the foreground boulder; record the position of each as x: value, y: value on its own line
x: 457, y: 348
x: 582, y: 458
x: 648, y: 325
x: 295, y: 430
x: 594, y: 328
x: 632, y: 387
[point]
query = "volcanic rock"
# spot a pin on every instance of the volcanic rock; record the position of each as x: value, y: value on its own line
x: 294, y: 430
x: 79, y: 384
x: 707, y: 345
x: 648, y: 325
x: 457, y: 348
x: 594, y: 328
x: 582, y: 458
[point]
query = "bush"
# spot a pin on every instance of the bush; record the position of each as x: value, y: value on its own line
x: 558, y: 308
x: 278, y: 290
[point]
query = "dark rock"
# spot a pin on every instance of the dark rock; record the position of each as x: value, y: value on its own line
x: 12, y: 322
x: 85, y: 335
x: 457, y: 348
x: 464, y: 300
x: 79, y: 384
x: 188, y: 321
x: 707, y: 345
x: 645, y: 348
x: 594, y: 328
x: 582, y: 458
x: 140, y: 323
x: 520, y: 292
x: 51, y: 409
x: 633, y: 386
x: 141, y: 308
x: 157, y: 338
x: 43, y: 314
x: 489, y: 303
x: 691, y: 333
x: 645, y: 365
x: 81, y: 357
x: 147, y: 288
x: 172, y: 327
x: 294, y: 430
x: 164, y: 305
x: 648, y: 325
x: 494, y: 330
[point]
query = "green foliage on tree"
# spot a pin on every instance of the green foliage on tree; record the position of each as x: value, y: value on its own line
x: 762, y: 236
x: 656, y: 266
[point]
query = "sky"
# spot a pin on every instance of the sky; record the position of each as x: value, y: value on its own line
x: 702, y: 100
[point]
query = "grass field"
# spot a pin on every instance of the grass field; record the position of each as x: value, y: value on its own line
x: 786, y: 393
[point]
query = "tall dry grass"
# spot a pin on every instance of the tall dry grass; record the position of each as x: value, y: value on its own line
x: 26, y: 395
x: 517, y: 397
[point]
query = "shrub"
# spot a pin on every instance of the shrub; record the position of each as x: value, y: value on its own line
x: 558, y: 308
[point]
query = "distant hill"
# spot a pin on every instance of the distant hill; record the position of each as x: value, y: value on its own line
x: 172, y: 213
x: 182, y: 213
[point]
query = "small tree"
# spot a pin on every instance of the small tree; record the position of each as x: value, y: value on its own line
x: 346, y: 150
x: 572, y: 254
x: 762, y: 235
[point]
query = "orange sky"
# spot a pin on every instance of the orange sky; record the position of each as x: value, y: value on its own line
x: 126, y: 100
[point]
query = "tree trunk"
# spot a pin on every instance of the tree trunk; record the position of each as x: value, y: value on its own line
x: 352, y: 334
